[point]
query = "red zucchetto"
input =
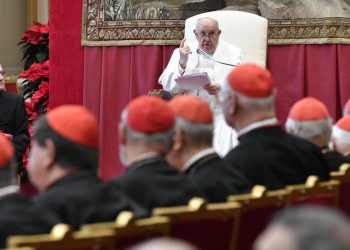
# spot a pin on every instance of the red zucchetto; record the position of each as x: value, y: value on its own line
x: 251, y: 80
x: 192, y: 109
x: 308, y: 109
x: 344, y: 123
x: 75, y: 123
x: 149, y: 115
x: 6, y: 150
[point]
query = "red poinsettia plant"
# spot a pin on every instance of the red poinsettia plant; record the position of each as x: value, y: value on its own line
x: 35, y: 44
x: 34, y: 83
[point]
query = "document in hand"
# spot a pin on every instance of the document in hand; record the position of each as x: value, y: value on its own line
x: 193, y: 81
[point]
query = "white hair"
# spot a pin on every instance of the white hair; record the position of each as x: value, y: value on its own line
x: 263, y: 103
x: 197, y: 133
x: 310, y: 129
x: 163, y: 138
x: 198, y: 22
x: 341, y: 136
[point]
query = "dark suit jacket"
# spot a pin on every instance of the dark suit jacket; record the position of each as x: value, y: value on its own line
x: 335, y: 159
x: 13, y: 120
x: 81, y: 198
x: 153, y: 183
x: 271, y: 157
x: 216, y: 180
x: 19, y: 216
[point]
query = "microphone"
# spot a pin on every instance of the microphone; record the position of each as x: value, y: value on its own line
x: 202, y: 52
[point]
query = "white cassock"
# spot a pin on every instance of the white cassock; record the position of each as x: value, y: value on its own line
x: 225, y: 138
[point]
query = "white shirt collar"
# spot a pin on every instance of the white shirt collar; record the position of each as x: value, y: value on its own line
x: 8, y: 190
x: 196, y: 157
x: 259, y: 124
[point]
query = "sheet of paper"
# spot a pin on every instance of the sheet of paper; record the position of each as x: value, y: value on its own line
x: 193, y: 81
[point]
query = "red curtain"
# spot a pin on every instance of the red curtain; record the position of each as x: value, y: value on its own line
x: 320, y: 71
x: 112, y: 77
x: 106, y: 78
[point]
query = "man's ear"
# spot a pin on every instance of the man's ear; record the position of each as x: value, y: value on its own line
x: 121, y: 134
x: 178, y: 140
x: 50, y: 153
x: 219, y: 32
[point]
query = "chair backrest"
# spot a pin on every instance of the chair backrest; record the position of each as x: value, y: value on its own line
x: 207, y: 226
x: 343, y: 176
x: 313, y: 191
x: 62, y: 237
x: 129, y: 231
x: 245, y: 30
x: 257, y: 209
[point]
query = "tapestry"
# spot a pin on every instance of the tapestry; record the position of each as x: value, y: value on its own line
x: 139, y: 22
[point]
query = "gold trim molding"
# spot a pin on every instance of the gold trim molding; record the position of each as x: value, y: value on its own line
x: 309, y: 31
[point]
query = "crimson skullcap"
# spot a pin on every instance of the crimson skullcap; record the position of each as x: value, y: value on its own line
x: 75, y: 123
x: 6, y: 150
x: 149, y: 114
x: 251, y: 80
x: 344, y: 123
x: 308, y: 109
x: 192, y: 109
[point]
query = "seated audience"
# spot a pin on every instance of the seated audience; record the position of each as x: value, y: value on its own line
x: 306, y: 228
x: 193, y: 154
x: 165, y: 95
x: 19, y: 216
x: 346, y: 108
x: 340, y: 140
x: 63, y: 163
x: 146, y: 131
x: 266, y: 154
x: 164, y: 244
x: 309, y: 119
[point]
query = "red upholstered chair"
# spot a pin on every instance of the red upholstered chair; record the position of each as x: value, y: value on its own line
x: 11, y: 86
x: 313, y: 191
x: 128, y: 231
x: 343, y: 176
x: 63, y: 238
x: 257, y: 209
x: 208, y: 226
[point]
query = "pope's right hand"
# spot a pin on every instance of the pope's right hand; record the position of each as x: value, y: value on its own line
x: 185, y: 50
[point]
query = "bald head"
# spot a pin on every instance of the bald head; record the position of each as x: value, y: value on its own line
x: 164, y: 243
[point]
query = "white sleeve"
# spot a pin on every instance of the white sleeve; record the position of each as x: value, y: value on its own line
x: 171, y: 72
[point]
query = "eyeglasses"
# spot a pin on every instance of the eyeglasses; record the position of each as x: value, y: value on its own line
x: 210, y: 35
x: 2, y: 72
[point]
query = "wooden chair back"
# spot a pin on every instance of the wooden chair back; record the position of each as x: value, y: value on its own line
x: 207, y: 226
x: 257, y: 209
x: 315, y: 192
x: 343, y: 176
x: 62, y: 237
x: 129, y: 231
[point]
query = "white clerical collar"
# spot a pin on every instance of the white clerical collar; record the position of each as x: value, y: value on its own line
x: 259, y: 124
x: 8, y: 190
x: 196, y: 157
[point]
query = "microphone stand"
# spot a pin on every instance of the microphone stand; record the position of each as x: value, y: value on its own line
x: 201, y: 52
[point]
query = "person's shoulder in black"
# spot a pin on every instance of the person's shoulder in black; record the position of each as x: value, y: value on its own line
x: 335, y: 159
x: 153, y: 183
x: 216, y: 179
x: 19, y: 216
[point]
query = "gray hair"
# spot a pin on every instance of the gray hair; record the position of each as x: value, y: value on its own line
x: 197, y: 133
x: 165, y: 139
x: 310, y: 129
x: 316, y: 228
x: 264, y: 103
x: 341, y: 136
x: 198, y: 22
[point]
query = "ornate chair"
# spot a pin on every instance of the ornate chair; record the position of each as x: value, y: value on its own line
x: 257, y: 210
x: 313, y: 191
x: 129, y: 231
x: 208, y: 226
x: 245, y: 30
x: 343, y: 175
x: 62, y: 238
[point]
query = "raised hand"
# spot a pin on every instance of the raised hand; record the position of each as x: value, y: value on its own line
x: 184, y: 52
x: 212, y: 89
